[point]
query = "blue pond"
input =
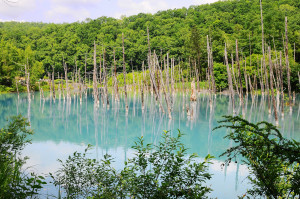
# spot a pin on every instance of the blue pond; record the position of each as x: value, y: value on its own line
x: 63, y: 127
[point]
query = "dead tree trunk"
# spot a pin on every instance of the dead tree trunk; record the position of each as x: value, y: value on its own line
x: 53, y: 85
x: 172, y: 76
x: 95, y: 89
x: 250, y: 85
x: 263, y: 47
x: 149, y: 60
x: 210, y: 66
x: 281, y: 85
x: 27, y: 77
x: 239, y: 70
x: 246, y: 78
x: 233, y: 74
x: 50, y: 84
x: 18, y: 87
x: 66, y: 78
x: 267, y: 89
x: 100, y: 68
x: 229, y: 77
x: 167, y: 74
x: 124, y: 74
x: 59, y: 86
x: 164, y: 91
x: 152, y: 78
x: 105, y: 80
x: 85, y: 69
x: 193, y: 91
x: 255, y: 83
x: 116, y: 79
x: 143, y: 84
x: 80, y: 86
x: 157, y: 73
x: 287, y: 63
x: 271, y: 85
x: 262, y: 77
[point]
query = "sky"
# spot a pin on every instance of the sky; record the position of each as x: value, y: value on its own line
x: 60, y: 11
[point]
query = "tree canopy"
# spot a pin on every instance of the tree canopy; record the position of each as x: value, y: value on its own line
x: 181, y: 32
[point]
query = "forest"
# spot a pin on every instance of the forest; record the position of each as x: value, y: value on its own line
x: 189, y: 36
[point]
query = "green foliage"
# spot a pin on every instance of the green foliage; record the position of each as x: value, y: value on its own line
x: 162, y: 171
x: 82, y: 177
x: 14, y: 182
x: 220, y: 74
x: 179, y: 32
x: 272, y: 159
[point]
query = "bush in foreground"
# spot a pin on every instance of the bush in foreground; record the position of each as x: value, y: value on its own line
x: 15, y: 182
x: 161, y: 171
x: 273, y: 160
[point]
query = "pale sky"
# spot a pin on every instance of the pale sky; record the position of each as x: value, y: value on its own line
x: 60, y: 11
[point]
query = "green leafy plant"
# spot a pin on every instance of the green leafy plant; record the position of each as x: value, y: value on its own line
x: 273, y: 160
x: 161, y: 171
x: 82, y: 177
x: 172, y: 173
x: 15, y: 182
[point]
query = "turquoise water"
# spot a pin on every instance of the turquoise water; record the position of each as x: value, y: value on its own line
x: 64, y: 127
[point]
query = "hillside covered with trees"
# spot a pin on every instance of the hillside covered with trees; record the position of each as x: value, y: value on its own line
x: 180, y: 32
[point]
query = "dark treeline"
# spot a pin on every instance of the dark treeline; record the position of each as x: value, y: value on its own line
x: 180, y: 32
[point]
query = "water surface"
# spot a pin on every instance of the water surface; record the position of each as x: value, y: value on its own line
x: 62, y: 127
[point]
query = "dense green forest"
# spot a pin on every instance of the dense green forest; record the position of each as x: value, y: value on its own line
x: 179, y: 32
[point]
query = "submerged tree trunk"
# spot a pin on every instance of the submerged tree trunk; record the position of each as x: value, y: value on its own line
x: 263, y: 47
x: 262, y: 86
x: 281, y: 85
x: 233, y: 74
x: 143, y: 85
x: 271, y: 85
x: 85, y: 69
x: 27, y: 78
x: 124, y: 74
x: 229, y: 78
x: 167, y: 75
x: 116, y: 79
x: 239, y: 70
x: 172, y: 76
x: 164, y: 91
x: 80, y: 86
x: 152, y: 78
x: 95, y: 89
x: 18, y: 87
x: 105, y: 81
x: 149, y: 61
x: 66, y: 78
x: 193, y: 91
x: 246, y: 78
x: 210, y: 66
x: 53, y: 85
x: 287, y: 63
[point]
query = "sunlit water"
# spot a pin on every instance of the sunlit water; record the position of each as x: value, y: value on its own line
x: 62, y: 128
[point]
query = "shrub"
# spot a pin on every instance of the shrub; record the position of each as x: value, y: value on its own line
x: 162, y: 171
x: 14, y: 181
x: 273, y: 160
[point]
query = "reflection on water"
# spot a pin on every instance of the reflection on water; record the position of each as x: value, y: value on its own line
x: 67, y: 125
